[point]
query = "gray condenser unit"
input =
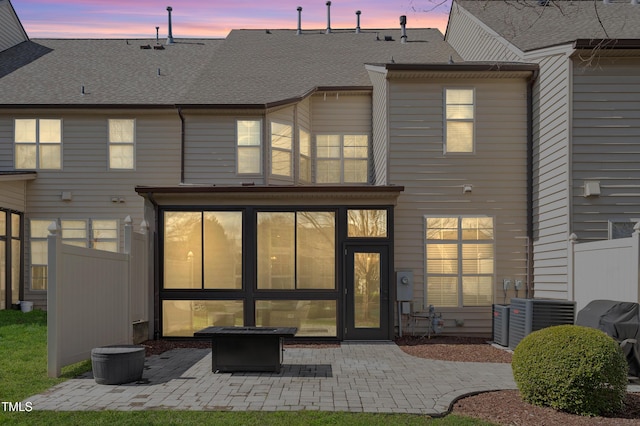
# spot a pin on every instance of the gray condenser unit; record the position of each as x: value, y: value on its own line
x: 501, y: 324
x: 529, y: 315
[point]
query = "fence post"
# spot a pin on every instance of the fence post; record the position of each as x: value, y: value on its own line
x: 571, y: 251
x: 128, y: 242
x: 54, y: 298
x: 636, y: 255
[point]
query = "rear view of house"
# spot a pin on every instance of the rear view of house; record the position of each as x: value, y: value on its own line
x: 282, y: 187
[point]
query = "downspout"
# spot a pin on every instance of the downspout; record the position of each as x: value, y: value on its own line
x: 182, y: 144
x: 529, y: 282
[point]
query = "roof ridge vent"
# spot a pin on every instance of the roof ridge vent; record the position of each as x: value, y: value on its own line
x: 299, y: 20
x: 170, y: 36
x: 358, y: 21
x: 328, y: 18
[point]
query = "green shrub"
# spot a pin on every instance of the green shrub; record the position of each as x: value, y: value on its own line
x: 571, y: 368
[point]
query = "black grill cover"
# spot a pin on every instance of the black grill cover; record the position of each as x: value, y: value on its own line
x: 620, y: 320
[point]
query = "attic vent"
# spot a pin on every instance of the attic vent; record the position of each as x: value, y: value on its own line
x: 388, y: 38
x: 146, y: 46
x: 159, y: 47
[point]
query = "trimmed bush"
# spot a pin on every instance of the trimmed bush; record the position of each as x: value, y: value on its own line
x: 571, y: 368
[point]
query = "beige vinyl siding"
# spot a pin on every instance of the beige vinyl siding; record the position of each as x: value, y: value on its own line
x: 606, y: 144
x: 210, y: 149
x: 380, y: 144
x: 11, y: 32
x: 433, y: 181
x: 12, y: 195
x: 86, y: 175
x: 551, y: 165
x: 474, y: 41
x: 341, y: 113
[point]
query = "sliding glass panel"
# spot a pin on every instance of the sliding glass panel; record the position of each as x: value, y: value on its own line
x: 316, y: 250
x: 223, y: 250
x: 182, y: 250
x: 182, y: 318
x: 315, y: 318
x: 276, y: 251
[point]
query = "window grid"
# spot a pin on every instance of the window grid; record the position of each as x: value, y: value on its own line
x: 281, y: 149
x: 459, y: 261
x: 38, y: 144
x: 459, y: 121
x: 342, y: 158
x: 121, y: 144
x: 249, y: 146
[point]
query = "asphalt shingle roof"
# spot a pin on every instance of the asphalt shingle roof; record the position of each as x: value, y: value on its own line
x: 529, y: 25
x: 249, y: 67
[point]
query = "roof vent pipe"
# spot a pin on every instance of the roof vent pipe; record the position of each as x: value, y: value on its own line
x: 358, y: 20
x: 299, y: 20
x: 328, y: 17
x: 403, y: 27
x: 157, y: 35
x: 170, y: 36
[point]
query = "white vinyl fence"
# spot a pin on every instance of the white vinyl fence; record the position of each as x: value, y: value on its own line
x: 608, y: 270
x: 93, y: 296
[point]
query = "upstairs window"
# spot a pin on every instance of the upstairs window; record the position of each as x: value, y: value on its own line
x: 249, y: 145
x: 281, y: 149
x: 342, y: 158
x: 459, y: 121
x: 38, y: 144
x: 121, y: 144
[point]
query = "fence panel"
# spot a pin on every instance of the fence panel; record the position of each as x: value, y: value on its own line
x: 605, y: 270
x: 88, y: 301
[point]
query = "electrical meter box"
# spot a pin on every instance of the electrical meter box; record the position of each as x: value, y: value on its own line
x: 404, y: 286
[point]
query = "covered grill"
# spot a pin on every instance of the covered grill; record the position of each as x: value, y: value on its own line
x: 620, y: 320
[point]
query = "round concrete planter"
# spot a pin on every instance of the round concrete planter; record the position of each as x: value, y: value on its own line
x: 117, y: 364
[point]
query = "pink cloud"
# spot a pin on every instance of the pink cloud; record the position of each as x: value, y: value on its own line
x: 194, y: 18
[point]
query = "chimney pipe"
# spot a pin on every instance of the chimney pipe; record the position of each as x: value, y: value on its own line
x: 299, y: 21
x: 157, y: 36
x: 170, y: 36
x: 358, y: 21
x: 328, y: 17
x: 403, y: 26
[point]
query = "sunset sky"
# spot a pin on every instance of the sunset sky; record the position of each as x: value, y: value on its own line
x: 201, y: 18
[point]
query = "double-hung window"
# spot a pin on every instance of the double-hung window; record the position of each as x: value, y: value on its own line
x: 121, y: 144
x: 249, y: 146
x: 342, y: 158
x: 38, y: 143
x: 281, y: 149
x: 460, y: 261
x: 459, y: 120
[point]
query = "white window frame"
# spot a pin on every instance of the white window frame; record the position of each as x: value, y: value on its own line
x: 448, y: 120
x: 122, y: 143
x: 38, y: 144
x: 342, y: 158
x: 459, y: 242
x: 252, y: 147
x: 278, y: 149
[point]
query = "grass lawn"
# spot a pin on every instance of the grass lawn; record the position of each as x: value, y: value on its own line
x: 23, y: 372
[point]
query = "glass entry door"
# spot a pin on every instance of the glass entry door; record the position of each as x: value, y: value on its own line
x: 367, y: 293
